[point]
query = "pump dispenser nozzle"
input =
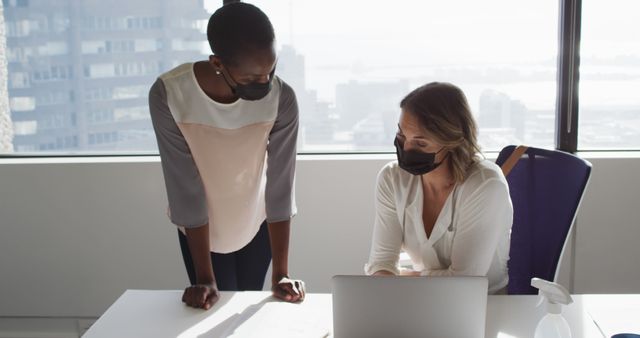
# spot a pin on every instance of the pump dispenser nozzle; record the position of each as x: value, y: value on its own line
x: 554, y: 293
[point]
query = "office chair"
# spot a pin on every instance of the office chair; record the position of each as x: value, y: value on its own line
x: 546, y: 188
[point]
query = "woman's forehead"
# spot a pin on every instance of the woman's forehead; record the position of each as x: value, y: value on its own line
x: 256, y: 63
x: 409, y: 123
x: 412, y: 128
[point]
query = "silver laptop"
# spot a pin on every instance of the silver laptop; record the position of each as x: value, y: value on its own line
x: 392, y: 306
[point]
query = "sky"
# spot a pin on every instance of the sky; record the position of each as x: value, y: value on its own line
x: 372, y: 41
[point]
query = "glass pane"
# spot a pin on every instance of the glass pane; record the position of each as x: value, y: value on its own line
x: 351, y: 62
x: 79, y: 71
x: 610, y: 76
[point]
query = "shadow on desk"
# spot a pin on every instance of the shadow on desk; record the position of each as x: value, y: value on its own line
x: 228, y: 326
x: 159, y: 313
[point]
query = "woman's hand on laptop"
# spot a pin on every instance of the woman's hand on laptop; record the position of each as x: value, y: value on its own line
x: 289, y: 290
x: 409, y: 272
x: 403, y: 272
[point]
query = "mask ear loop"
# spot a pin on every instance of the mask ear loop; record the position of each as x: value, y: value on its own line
x: 444, y: 159
x: 224, y: 77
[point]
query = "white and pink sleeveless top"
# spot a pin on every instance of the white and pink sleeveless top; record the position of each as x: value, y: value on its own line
x: 229, y: 165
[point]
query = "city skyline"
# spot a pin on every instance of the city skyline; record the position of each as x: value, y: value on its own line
x: 80, y: 85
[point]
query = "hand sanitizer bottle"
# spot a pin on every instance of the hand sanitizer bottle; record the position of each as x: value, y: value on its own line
x: 552, y: 325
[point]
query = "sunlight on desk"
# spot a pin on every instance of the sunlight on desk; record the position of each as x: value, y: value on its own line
x: 160, y: 313
x: 615, y: 313
x: 517, y: 317
x: 147, y: 313
x: 265, y: 319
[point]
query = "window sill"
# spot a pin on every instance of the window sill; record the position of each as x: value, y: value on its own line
x: 152, y: 158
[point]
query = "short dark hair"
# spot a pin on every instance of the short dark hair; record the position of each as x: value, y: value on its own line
x: 237, y: 29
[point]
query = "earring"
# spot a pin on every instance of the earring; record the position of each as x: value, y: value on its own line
x: 217, y: 72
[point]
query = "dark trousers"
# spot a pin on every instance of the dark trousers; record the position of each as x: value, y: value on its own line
x: 241, y: 270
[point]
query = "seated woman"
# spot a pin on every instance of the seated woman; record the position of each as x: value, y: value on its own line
x: 443, y: 204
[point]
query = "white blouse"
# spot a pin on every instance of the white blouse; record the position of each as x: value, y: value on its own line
x: 470, y: 236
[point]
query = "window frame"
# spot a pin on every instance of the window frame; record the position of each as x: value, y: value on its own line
x: 567, y: 97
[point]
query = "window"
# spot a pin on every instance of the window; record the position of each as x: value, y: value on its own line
x: 103, y: 138
x: 25, y: 127
x: 122, y: 22
x: 131, y: 113
x: 96, y: 116
x: 22, y: 104
x: 609, y: 76
x: 19, y: 54
x: 19, y: 80
x: 146, y: 45
x: 15, y: 3
x: 53, y: 73
x: 20, y: 28
x: 93, y: 47
x: 349, y: 77
x: 98, y: 94
x: 130, y: 92
x: 52, y: 98
x: 52, y: 48
x: 52, y: 121
x: 194, y: 45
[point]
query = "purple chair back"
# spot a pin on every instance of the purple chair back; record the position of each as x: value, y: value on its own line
x: 546, y: 188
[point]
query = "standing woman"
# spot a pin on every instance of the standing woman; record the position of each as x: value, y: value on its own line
x: 227, y: 131
x: 443, y: 204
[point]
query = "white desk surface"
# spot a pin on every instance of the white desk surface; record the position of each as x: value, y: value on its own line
x: 145, y: 313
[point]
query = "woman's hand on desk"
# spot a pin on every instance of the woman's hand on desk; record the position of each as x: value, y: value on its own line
x: 409, y: 272
x: 290, y: 290
x: 201, y: 296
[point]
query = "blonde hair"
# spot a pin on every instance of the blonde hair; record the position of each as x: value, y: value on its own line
x: 443, y: 111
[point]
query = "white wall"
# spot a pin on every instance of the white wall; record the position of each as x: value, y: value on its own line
x: 76, y: 233
x: 608, y: 232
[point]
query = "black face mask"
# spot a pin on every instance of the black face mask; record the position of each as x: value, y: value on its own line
x: 252, y: 91
x: 415, y: 162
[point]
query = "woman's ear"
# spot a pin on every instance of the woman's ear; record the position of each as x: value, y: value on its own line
x: 216, y: 63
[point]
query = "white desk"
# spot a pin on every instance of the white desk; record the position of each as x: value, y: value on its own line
x: 141, y: 314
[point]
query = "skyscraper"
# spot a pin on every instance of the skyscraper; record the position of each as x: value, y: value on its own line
x: 315, y: 121
x: 80, y: 71
x: 498, y: 110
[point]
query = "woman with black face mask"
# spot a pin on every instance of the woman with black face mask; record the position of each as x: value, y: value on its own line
x: 227, y: 131
x: 443, y: 204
